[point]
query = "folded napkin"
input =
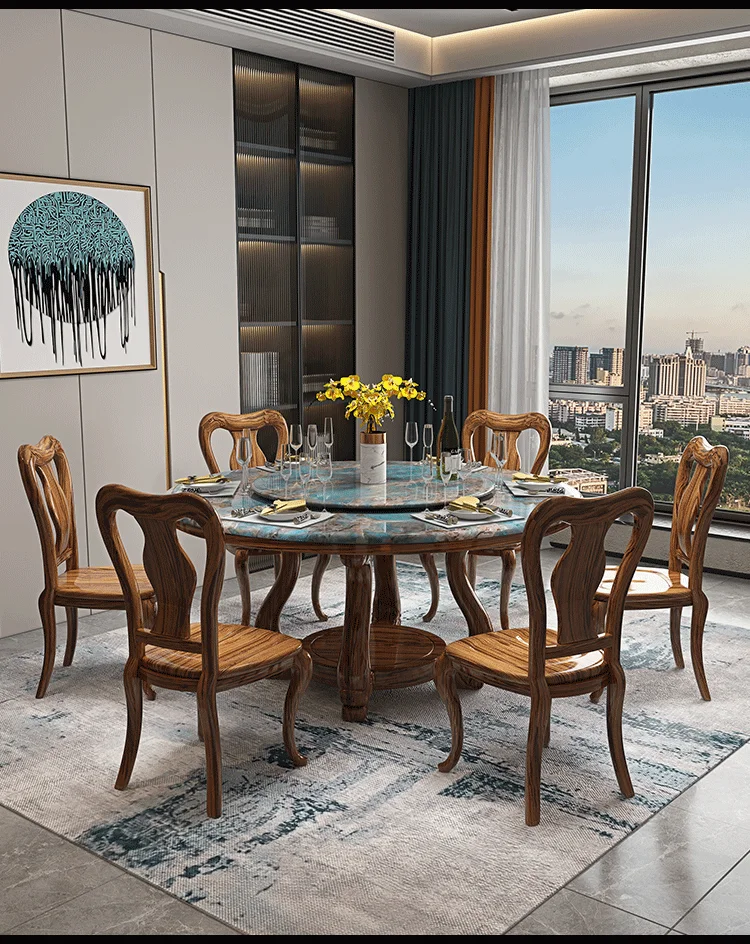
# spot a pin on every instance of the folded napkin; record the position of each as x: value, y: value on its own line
x: 527, y: 477
x: 282, y: 505
x: 469, y: 503
x: 201, y: 479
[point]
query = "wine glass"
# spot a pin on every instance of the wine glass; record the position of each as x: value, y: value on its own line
x: 427, y: 437
x: 285, y: 467
x: 305, y: 470
x: 325, y: 471
x: 465, y: 467
x: 328, y: 434
x: 244, y: 457
x: 411, y: 435
x: 497, y: 451
x: 312, y: 437
x: 447, y: 461
x: 295, y: 439
x: 426, y: 475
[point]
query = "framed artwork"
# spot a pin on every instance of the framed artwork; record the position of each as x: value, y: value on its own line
x: 76, y: 277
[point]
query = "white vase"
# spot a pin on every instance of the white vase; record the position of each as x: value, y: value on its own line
x: 372, y: 460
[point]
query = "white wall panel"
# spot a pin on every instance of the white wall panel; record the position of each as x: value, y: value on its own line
x: 111, y: 138
x: 32, y: 141
x: 193, y: 98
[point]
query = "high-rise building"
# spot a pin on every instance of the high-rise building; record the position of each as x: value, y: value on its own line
x: 570, y: 364
x: 692, y: 375
x: 664, y: 376
x: 616, y: 363
x: 597, y: 362
x: 695, y: 345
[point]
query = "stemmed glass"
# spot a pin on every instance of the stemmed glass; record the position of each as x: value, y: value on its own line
x: 465, y: 467
x: 325, y: 471
x: 312, y: 437
x: 411, y: 436
x: 426, y: 475
x: 427, y: 437
x: 285, y: 467
x: 244, y: 457
x: 328, y: 434
x: 305, y: 470
x: 447, y: 460
x: 497, y: 451
x: 295, y: 439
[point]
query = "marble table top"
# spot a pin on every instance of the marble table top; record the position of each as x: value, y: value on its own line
x: 404, y: 490
x: 365, y: 529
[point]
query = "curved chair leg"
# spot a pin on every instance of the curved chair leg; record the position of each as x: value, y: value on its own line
x: 615, y: 699
x: 209, y: 724
x: 675, y: 615
x: 548, y: 729
x: 47, y: 614
x: 600, y: 613
x: 538, y: 720
x: 445, y: 682
x: 509, y: 568
x: 243, y: 579
x: 276, y: 565
x: 71, y: 617
x: 428, y: 562
x: 134, y: 699
x: 302, y: 670
x: 471, y: 569
x: 697, y: 624
x: 320, y: 568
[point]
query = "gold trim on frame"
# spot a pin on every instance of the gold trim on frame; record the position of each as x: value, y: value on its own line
x: 165, y: 382
x: 146, y: 191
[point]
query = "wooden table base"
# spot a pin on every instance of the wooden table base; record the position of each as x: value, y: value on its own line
x: 400, y: 656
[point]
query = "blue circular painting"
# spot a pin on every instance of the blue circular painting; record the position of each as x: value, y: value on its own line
x: 72, y: 260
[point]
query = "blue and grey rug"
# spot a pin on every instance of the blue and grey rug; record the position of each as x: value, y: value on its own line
x: 370, y: 837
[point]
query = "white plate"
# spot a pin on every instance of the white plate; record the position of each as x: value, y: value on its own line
x: 283, y: 515
x: 535, y: 486
x: 473, y: 515
x: 205, y: 488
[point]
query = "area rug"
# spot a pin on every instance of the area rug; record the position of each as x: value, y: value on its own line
x: 369, y: 837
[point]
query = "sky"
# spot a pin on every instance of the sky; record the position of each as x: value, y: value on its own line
x: 698, y: 232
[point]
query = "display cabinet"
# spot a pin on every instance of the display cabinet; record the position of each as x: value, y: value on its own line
x: 294, y: 137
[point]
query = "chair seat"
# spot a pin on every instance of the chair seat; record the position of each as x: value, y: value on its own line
x: 99, y: 585
x: 242, y: 650
x: 650, y: 586
x: 506, y: 654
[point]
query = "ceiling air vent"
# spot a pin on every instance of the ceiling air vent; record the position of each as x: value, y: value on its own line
x: 314, y: 26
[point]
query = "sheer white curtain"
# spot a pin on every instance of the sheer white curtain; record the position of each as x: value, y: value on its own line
x: 520, y: 265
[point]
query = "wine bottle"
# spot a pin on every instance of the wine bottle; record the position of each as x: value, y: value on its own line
x: 447, y: 440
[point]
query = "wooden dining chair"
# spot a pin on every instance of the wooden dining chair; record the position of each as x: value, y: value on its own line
x: 204, y: 657
x: 45, y: 473
x: 700, y: 480
x: 578, y: 658
x: 235, y: 424
x: 512, y: 425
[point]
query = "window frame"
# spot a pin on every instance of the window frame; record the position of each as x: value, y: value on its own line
x: 628, y: 394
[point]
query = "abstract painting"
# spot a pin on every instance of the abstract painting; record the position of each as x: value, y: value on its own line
x: 76, y: 280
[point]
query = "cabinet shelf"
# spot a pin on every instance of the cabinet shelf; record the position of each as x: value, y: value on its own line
x: 322, y: 157
x: 307, y: 241
x: 310, y: 323
x: 272, y: 150
x: 245, y: 323
x: 247, y: 236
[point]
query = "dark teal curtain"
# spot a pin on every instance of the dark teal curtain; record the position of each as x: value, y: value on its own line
x: 441, y: 150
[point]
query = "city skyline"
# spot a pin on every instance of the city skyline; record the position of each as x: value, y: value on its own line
x: 698, y: 240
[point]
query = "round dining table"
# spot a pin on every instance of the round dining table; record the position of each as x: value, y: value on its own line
x: 369, y: 525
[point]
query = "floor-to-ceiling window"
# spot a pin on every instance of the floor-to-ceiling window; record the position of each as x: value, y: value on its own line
x: 650, y: 293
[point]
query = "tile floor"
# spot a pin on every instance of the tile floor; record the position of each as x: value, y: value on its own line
x: 684, y: 871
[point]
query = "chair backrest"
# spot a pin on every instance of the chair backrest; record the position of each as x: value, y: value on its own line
x: 579, y: 570
x: 168, y: 567
x: 512, y: 424
x: 236, y: 423
x: 700, y: 479
x: 46, y: 479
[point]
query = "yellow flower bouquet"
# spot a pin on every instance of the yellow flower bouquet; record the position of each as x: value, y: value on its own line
x: 371, y: 403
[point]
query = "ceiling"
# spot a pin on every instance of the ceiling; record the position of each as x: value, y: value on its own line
x: 443, y: 22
